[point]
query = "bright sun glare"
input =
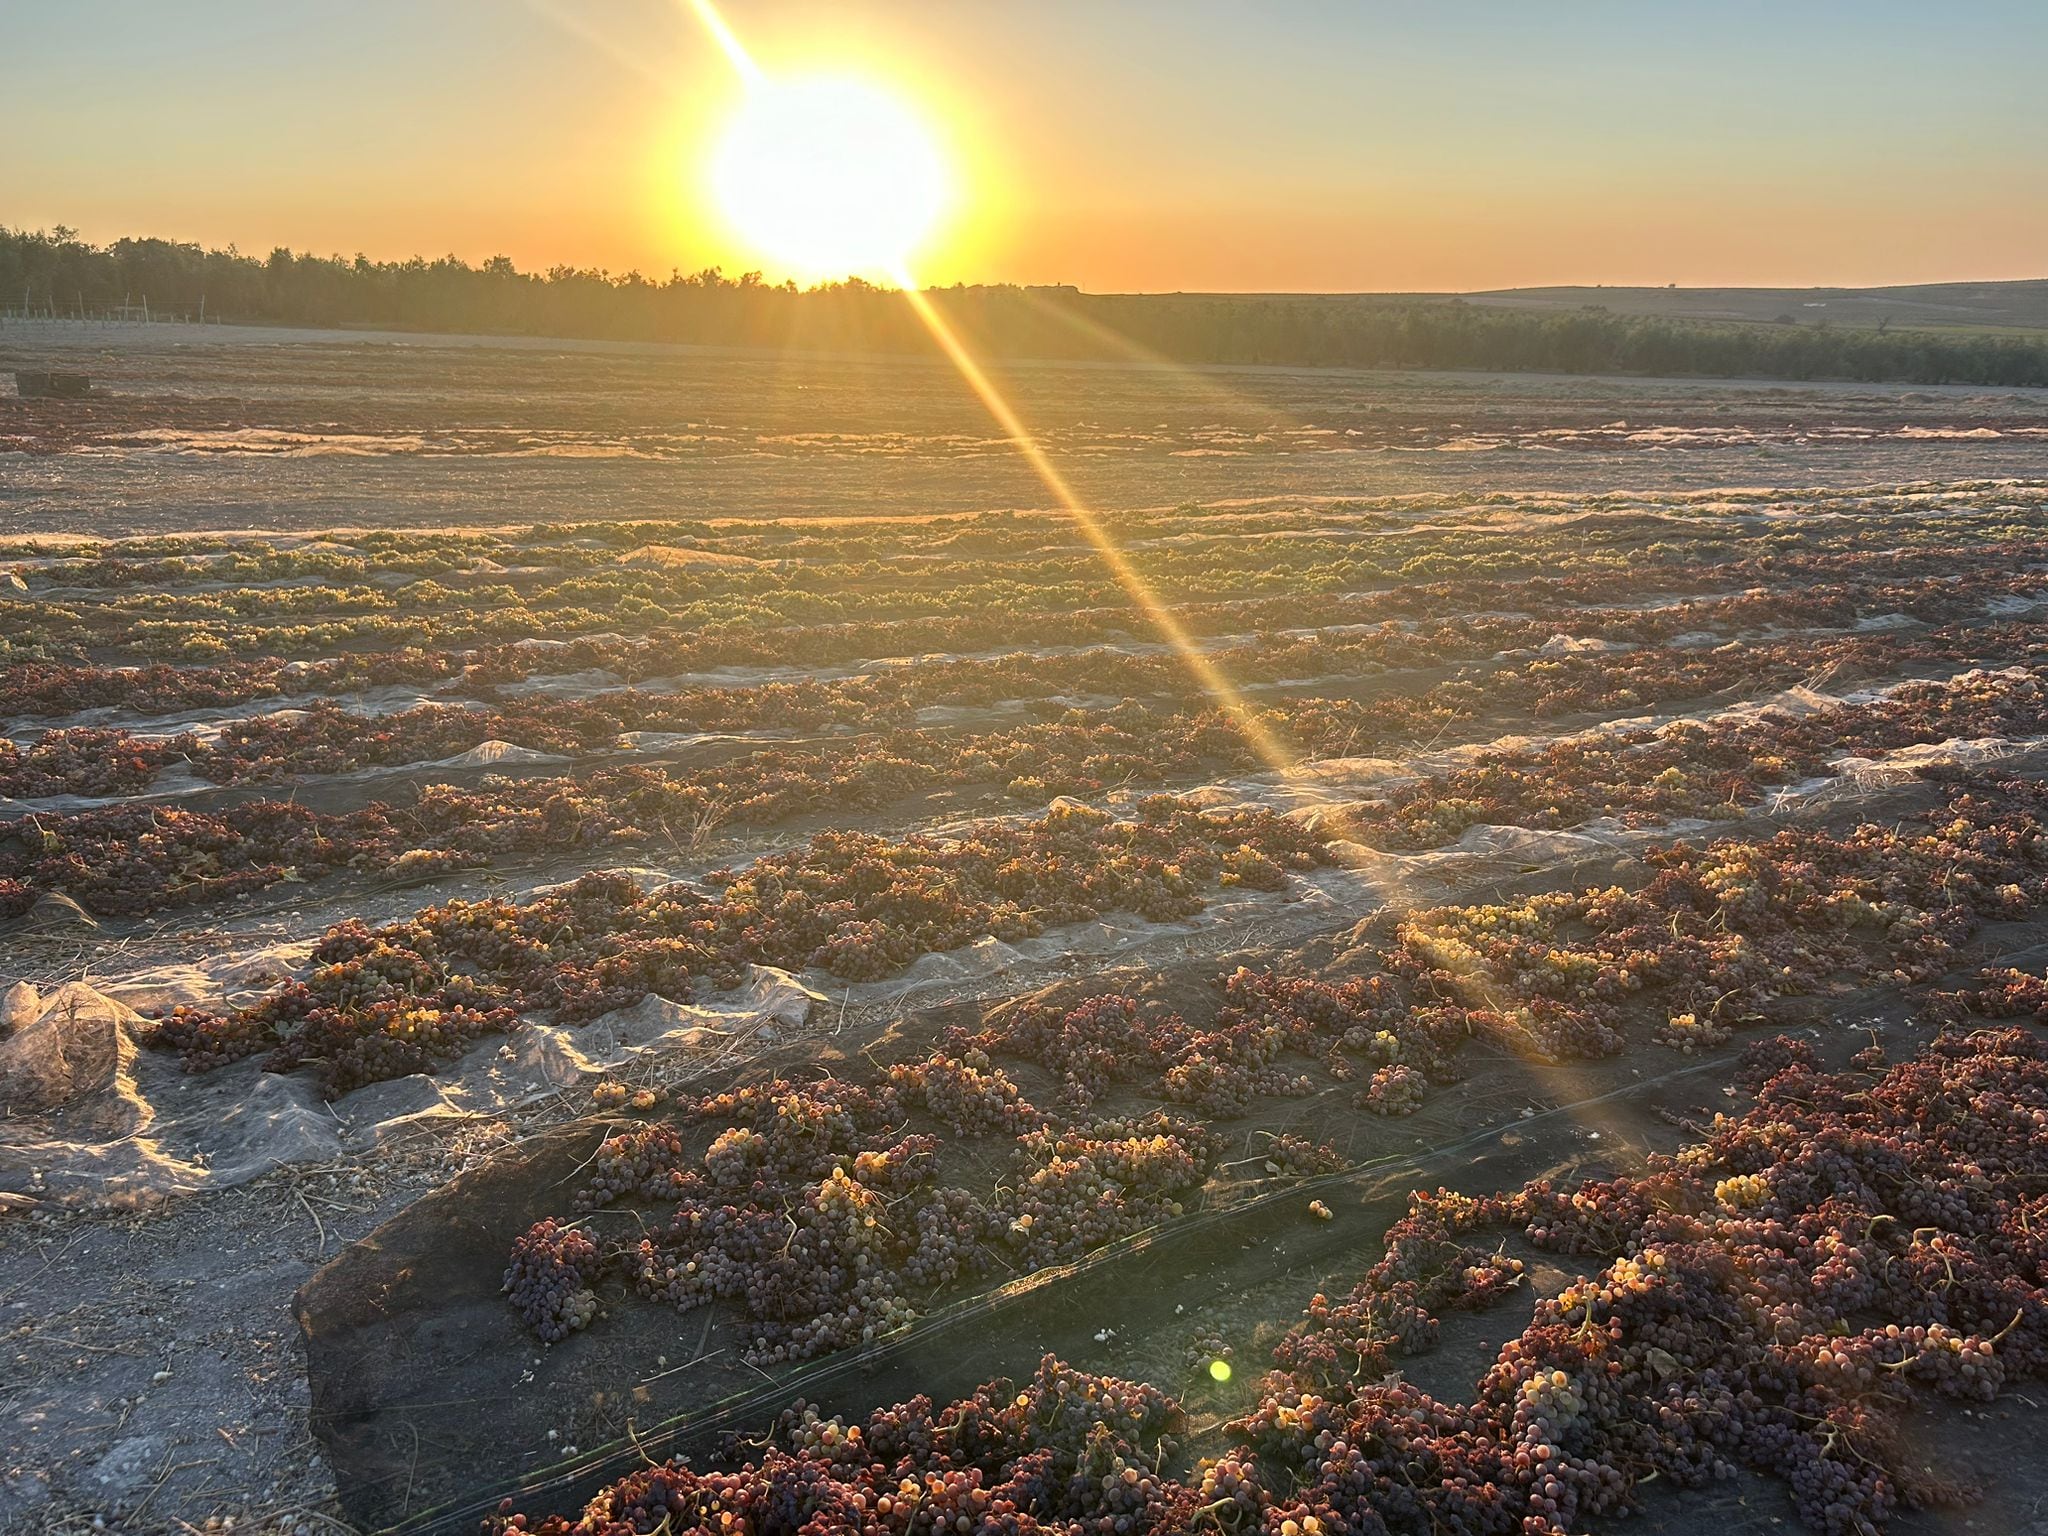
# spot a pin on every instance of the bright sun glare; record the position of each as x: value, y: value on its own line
x: 829, y: 176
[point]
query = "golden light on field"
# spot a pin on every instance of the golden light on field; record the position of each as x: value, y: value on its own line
x: 832, y: 174
x: 829, y: 176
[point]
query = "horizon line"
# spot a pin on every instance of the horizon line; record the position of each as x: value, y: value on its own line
x: 1589, y: 285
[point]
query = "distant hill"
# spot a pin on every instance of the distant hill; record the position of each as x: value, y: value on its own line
x: 2017, y: 305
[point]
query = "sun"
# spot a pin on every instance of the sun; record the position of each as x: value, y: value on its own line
x: 829, y: 176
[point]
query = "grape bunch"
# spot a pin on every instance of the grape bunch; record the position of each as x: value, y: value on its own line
x: 1088, y: 1185
x: 647, y: 1163
x: 969, y: 1095
x: 550, y: 1278
x: 1090, y: 1047
x: 1393, y: 1091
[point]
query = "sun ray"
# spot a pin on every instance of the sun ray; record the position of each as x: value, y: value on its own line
x: 1266, y: 741
x: 728, y: 42
x: 1198, y: 379
x: 579, y: 26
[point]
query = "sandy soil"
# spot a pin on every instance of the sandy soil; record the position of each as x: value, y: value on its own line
x: 224, y: 427
x: 151, y: 1366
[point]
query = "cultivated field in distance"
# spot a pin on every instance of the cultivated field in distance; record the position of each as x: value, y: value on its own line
x: 571, y: 904
x: 207, y: 428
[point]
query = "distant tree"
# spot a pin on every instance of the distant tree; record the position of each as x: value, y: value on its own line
x: 54, y: 267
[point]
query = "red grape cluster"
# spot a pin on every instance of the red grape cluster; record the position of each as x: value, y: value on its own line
x: 83, y: 760
x: 1079, y: 1188
x: 1722, y: 933
x: 1394, y: 1091
x: 1090, y: 1047
x: 970, y: 1096
x: 647, y: 1164
x: 811, y: 1212
x: 549, y: 1279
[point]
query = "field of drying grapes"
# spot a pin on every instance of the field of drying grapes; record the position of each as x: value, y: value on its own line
x: 491, y: 1009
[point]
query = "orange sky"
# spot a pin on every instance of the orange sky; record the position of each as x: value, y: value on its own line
x: 1191, y: 145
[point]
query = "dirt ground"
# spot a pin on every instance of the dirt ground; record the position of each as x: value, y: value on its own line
x: 325, y: 1349
x: 231, y: 427
x: 154, y: 1373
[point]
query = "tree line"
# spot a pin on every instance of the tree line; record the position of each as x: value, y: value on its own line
x: 57, y: 271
